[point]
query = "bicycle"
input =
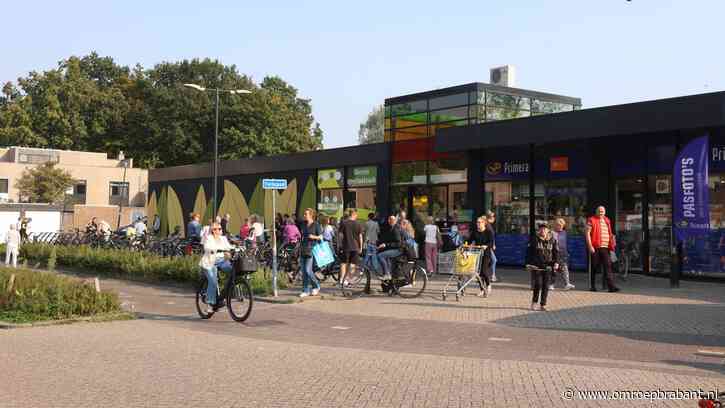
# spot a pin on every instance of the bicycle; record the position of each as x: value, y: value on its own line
x: 408, y: 279
x: 236, y: 293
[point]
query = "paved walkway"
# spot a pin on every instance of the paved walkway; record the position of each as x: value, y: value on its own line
x: 378, y: 351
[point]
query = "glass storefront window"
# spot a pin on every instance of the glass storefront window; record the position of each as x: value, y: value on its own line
x: 363, y: 200
x: 457, y: 203
x: 717, y: 223
x: 449, y: 101
x: 409, y: 173
x: 660, y: 222
x: 628, y: 228
x: 398, y: 199
x: 452, y: 170
x: 434, y: 128
x: 562, y: 199
x: 331, y: 203
x: 509, y: 200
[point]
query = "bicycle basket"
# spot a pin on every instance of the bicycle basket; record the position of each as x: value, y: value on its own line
x: 246, y: 264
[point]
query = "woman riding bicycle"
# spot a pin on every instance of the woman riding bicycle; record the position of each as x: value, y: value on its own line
x: 214, y: 258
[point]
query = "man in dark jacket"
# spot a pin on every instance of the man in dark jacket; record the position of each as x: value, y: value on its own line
x: 389, y: 245
x: 542, y: 258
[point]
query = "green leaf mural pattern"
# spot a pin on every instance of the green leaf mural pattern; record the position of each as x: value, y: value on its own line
x: 200, y: 202
x: 235, y: 205
x: 309, y: 196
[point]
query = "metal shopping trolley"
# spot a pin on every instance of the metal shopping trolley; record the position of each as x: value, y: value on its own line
x: 467, y: 263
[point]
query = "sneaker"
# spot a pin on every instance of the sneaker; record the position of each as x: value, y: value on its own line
x: 209, y: 310
x: 481, y: 293
x: 304, y: 294
x: 386, y: 277
x: 542, y: 308
x: 408, y: 286
x: 533, y: 307
x: 569, y: 286
x: 315, y: 292
x: 551, y: 287
x: 494, y: 279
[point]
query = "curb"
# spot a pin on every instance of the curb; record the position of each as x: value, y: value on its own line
x: 90, y: 319
x: 278, y: 300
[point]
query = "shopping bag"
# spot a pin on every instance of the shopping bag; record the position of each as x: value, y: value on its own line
x: 466, y: 263
x: 323, y: 254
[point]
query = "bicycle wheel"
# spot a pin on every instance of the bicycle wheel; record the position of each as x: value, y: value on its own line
x: 416, y: 281
x: 239, y: 299
x: 201, y: 299
x: 359, y: 281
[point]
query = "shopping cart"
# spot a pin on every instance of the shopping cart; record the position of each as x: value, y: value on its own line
x: 465, y: 270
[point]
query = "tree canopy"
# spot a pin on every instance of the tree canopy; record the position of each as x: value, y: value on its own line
x: 371, y: 131
x: 44, y: 184
x: 90, y: 103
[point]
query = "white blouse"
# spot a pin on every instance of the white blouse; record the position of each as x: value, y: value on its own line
x: 211, y: 246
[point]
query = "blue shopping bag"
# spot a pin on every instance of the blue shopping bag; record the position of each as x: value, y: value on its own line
x: 323, y: 254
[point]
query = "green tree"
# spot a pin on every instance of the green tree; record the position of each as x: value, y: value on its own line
x: 44, y: 184
x: 371, y: 131
x: 90, y: 103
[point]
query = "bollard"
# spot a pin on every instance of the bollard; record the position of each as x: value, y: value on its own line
x: 97, y: 283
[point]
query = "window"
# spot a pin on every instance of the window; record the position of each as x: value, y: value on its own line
x: 409, y: 173
x: 412, y: 119
x: 451, y: 170
x: 449, y: 101
x: 502, y: 113
x: 410, y: 107
x: 539, y: 107
x: 80, y: 188
x: 3, y: 186
x: 118, y: 193
x: 415, y: 132
x: 514, y: 102
x: 448, y: 115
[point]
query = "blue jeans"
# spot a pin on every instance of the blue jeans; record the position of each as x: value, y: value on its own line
x: 212, y: 286
x: 371, y: 257
x: 308, y: 275
x: 493, y: 263
x: 385, y: 257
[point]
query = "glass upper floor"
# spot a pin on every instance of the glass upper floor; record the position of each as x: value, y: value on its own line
x: 422, y: 115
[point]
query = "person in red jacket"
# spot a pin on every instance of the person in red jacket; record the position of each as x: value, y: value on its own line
x: 601, y: 243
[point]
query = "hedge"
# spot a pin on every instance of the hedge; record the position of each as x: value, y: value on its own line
x: 39, y: 296
x: 125, y: 264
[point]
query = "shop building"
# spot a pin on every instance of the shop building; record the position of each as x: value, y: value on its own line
x: 528, y: 156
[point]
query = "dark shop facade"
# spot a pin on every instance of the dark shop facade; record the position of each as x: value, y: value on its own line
x: 528, y: 156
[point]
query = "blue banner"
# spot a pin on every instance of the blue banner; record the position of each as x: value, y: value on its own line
x: 691, y: 217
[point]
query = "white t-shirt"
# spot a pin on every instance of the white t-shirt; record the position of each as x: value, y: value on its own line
x: 12, y: 239
x: 431, y: 234
x: 258, y: 229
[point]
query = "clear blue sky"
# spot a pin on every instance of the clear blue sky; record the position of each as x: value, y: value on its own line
x: 348, y: 56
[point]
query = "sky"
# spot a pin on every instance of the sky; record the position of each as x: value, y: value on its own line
x: 347, y: 57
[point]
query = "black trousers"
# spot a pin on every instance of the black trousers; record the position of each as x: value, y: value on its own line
x: 485, y: 271
x: 540, y: 281
x: 601, y: 260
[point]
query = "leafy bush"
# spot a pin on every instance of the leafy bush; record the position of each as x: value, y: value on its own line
x: 117, y: 263
x: 48, y: 296
x: 133, y: 265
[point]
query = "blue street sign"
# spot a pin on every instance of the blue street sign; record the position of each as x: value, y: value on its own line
x: 274, y: 184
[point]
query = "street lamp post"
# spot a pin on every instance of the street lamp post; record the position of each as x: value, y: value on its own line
x: 217, y: 91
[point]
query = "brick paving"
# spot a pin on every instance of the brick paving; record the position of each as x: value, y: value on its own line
x: 376, y: 351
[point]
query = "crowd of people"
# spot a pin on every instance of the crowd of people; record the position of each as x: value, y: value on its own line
x: 381, y: 241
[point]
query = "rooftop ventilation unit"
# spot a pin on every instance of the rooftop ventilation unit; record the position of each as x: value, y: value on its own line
x: 503, y: 76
